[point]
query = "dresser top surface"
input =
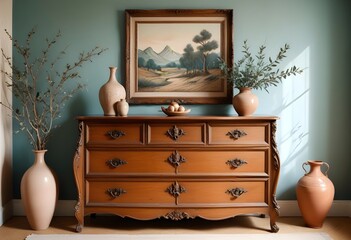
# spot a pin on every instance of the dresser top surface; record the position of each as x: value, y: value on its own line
x: 175, y: 118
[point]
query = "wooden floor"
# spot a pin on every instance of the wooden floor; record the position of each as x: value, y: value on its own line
x: 17, y: 228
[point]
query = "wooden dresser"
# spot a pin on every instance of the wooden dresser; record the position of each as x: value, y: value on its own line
x: 148, y: 167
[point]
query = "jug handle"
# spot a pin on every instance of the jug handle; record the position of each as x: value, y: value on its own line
x: 303, y: 167
x: 326, y: 171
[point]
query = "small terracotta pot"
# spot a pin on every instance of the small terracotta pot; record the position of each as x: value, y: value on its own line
x: 315, y: 194
x: 245, y: 102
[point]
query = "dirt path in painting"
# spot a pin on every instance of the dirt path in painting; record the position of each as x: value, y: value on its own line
x: 174, y: 80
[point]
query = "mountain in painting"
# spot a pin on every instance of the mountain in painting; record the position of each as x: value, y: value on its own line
x: 166, y: 56
x: 170, y: 55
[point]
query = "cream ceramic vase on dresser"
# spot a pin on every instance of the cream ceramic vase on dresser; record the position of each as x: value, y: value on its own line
x: 39, y: 193
x: 122, y: 108
x: 110, y: 93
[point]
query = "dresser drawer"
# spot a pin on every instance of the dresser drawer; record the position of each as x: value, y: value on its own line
x: 115, y: 134
x: 239, y: 134
x: 176, y: 192
x: 223, y: 192
x: 114, y: 162
x: 176, y: 133
x: 253, y: 162
x: 128, y: 192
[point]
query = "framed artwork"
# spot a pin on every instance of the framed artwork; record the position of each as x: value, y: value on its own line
x: 173, y: 55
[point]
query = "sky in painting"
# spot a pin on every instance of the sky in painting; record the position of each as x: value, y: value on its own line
x: 175, y: 35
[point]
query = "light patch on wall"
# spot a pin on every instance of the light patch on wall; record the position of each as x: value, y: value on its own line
x: 294, y: 129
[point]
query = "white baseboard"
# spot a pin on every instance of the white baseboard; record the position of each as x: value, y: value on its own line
x: 63, y: 208
x: 6, y: 212
x: 339, y: 208
x: 288, y: 208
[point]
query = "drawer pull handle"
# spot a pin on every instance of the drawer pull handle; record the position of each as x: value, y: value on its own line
x: 113, y: 163
x: 175, y: 132
x: 236, y: 134
x: 175, y: 190
x: 235, y: 163
x: 116, y: 134
x: 176, y: 159
x: 236, y: 192
x: 115, y: 192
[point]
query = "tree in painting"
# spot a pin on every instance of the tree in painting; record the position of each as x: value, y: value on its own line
x: 206, y: 46
x: 188, y: 59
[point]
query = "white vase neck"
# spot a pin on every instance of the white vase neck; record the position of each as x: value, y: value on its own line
x: 39, y: 156
x: 113, y: 71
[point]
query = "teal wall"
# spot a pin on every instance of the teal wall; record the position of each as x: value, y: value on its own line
x: 313, y: 108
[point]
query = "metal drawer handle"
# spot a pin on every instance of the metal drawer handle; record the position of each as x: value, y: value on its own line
x: 175, y: 159
x: 115, y: 192
x: 236, y: 192
x: 175, y: 132
x: 116, y: 134
x: 236, y: 134
x: 116, y: 162
x: 235, y: 163
x: 175, y: 190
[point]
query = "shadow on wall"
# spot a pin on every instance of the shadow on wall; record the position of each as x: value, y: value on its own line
x: 293, y: 126
x: 62, y: 146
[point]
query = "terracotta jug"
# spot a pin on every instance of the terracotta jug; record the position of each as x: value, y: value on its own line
x: 110, y: 93
x: 245, y: 102
x: 315, y: 194
x: 39, y: 193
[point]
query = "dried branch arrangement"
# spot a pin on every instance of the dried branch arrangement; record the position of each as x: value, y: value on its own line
x: 39, y: 87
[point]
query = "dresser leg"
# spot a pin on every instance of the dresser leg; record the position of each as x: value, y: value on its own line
x: 79, y: 228
x: 274, y: 227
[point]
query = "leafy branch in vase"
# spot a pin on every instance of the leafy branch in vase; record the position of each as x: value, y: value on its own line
x: 254, y: 71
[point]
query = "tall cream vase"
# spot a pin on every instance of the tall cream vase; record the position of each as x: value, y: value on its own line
x: 110, y: 93
x: 39, y: 193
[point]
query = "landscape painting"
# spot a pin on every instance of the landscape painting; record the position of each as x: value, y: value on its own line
x: 177, y: 59
x: 172, y: 62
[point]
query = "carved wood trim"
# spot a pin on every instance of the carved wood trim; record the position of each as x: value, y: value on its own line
x: 275, y: 161
x: 77, y: 166
x: 175, y: 133
x: 273, y: 216
x: 275, y: 154
x: 177, y: 215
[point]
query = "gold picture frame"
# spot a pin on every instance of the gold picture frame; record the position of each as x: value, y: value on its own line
x: 173, y: 55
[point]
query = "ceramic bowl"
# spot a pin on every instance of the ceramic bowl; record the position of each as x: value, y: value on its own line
x: 169, y: 113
